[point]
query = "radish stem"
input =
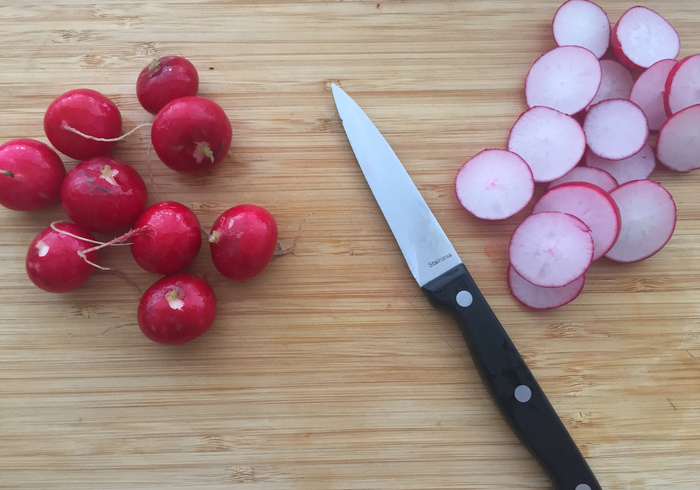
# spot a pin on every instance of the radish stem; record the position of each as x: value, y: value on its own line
x: 9, y: 173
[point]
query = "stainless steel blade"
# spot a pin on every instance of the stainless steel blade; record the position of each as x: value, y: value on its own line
x: 426, y: 248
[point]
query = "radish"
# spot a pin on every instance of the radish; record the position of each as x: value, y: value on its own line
x: 551, y: 142
x: 616, y: 82
x: 169, y: 238
x: 678, y: 145
x: 53, y: 261
x: 591, y: 175
x: 494, y: 184
x: 540, y: 298
x: 582, y: 23
x: 641, y: 37
x: 616, y: 129
x: 243, y: 241
x: 177, y: 309
x: 166, y: 79
x: 648, y: 219
x: 682, y: 88
x: 565, y: 78
x: 103, y: 195
x: 551, y: 249
x: 82, y: 111
x: 638, y: 166
x: 590, y: 204
x: 191, y: 134
x: 648, y: 92
x: 31, y: 174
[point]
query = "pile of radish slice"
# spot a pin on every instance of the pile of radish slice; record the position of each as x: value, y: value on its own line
x: 593, y: 102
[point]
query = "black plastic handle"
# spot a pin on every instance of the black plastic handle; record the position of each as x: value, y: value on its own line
x: 511, y: 384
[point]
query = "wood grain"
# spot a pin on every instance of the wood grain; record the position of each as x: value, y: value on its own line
x: 330, y: 370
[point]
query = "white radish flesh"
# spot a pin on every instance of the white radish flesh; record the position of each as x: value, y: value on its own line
x: 616, y: 82
x: 551, y: 142
x: 582, y: 23
x: 540, y: 298
x: 591, y: 175
x: 683, y: 85
x: 494, y: 184
x: 678, y: 145
x: 641, y: 37
x: 638, y: 166
x: 565, y: 78
x: 616, y: 129
x: 648, y: 215
x: 648, y: 92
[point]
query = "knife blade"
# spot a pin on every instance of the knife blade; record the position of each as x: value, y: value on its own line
x: 447, y: 284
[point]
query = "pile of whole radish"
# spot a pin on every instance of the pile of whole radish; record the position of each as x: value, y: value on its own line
x: 593, y: 101
x: 101, y: 194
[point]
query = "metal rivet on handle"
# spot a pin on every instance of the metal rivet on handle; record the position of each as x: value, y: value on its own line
x: 464, y: 298
x: 523, y: 394
x: 582, y: 486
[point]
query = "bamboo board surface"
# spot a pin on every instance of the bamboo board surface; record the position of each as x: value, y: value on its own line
x: 329, y: 370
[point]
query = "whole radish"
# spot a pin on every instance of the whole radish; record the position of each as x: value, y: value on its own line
x: 103, y: 194
x: 243, y: 240
x: 191, y: 134
x: 170, y: 239
x: 31, y: 174
x: 53, y: 261
x: 166, y: 79
x: 82, y: 111
x: 177, y: 309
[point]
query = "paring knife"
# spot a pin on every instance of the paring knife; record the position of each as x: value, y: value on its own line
x: 445, y: 281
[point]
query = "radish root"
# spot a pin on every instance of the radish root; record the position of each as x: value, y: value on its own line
x: 9, y: 173
x: 283, y: 249
x: 95, y: 138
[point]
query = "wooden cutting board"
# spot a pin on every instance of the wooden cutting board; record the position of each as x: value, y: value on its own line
x: 329, y: 370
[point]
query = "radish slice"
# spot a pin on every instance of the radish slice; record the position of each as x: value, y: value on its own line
x: 565, y: 78
x: 540, y: 298
x: 683, y: 85
x: 591, y: 175
x: 616, y: 129
x: 648, y: 219
x: 551, y: 249
x: 648, y: 92
x: 641, y: 37
x: 616, y: 82
x: 551, y: 142
x: 494, y: 184
x: 582, y: 23
x: 590, y: 204
x: 678, y: 145
x: 636, y: 167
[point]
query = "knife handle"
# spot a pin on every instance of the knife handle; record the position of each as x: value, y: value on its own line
x: 511, y: 384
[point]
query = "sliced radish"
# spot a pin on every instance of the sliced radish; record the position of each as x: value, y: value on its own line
x: 582, y: 23
x: 648, y: 92
x: 494, y: 184
x: 636, y: 167
x: 590, y: 204
x: 683, y: 85
x: 616, y: 129
x: 678, y: 146
x: 565, y: 78
x: 641, y: 37
x: 648, y: 219
x: 551, y: 249
x: 616, y: 81
x: 540, y: 298
x: 551, y: 142
x: 591, y: 175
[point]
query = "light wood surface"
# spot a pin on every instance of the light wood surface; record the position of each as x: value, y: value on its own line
x: 330, y: 370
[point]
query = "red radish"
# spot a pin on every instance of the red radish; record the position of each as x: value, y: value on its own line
x: 682, y: 87
x: 191, y: 134
x: 638, y: 166
x: 551, y: 249
x: 540, y: 298
x: 648, y: 92
x: 551, y: 142
x: 616, y: 82
x: 31, y: 174
x: 243, y: 241
x: 590, y: 204
x: 648, y: 219
x: 616, y: 129
x: 582, y: 23
x: 494, y: 184
x: 88, y: 112
x: 170, y: 239
x: 678, y: 145
x: 166, y: 79
x: 565, y: 78
x: 53, y: 261
x: 177, y: 309
x: 591, y: 175
x: 103, y: 195
x: 641, y: 37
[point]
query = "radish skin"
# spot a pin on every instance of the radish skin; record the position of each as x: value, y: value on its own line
x: 616, y: 129
x: 641, y: 37
x: 638, y: 166
x: 648, y: 92
x: 540, y: 298
x: 678, y: 145
x: 582, y: 23
x: 591, y: 175
x: 682, y: 88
